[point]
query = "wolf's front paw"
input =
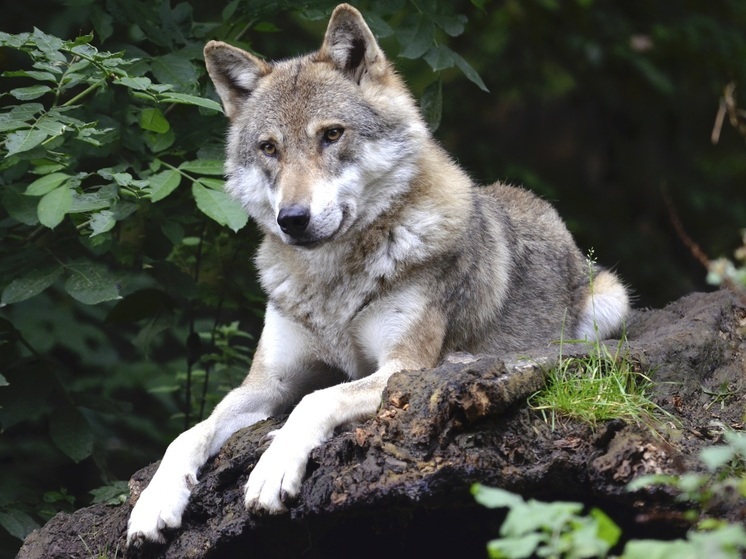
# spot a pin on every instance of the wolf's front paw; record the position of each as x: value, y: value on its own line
x: 160, y: 506
x: 276, y: 478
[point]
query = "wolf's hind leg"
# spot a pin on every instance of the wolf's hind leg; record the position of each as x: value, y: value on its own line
x: 605, y: 308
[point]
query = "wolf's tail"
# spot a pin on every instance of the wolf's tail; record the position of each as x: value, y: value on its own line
x: 606, y: 307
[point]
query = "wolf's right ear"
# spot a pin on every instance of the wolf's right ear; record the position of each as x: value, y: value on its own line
x: 234, y: 72
x: 350, y: 45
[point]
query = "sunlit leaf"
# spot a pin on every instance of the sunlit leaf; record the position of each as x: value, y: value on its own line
x: 162, y: 184
x: 24, y: 140
x: 30, y: 92
x: 220, y: 207
x: 54, y: 205
x: 186, y: 99
x: 152, y: 119
x: 46, y: 183
x: 101, y: 222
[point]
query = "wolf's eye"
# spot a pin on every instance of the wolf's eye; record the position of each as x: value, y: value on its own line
x: 269, y: 149
x: 333, y: 135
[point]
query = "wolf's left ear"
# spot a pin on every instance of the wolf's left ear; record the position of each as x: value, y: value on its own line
x: 350, y: 45
x: 234, y: 72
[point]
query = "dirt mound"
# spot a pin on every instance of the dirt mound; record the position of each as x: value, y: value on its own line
x: 399, y: 484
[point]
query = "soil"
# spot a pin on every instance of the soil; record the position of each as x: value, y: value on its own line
x: 398, y: 484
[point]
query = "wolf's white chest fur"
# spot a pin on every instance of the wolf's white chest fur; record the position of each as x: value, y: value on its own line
x: 349, y: 316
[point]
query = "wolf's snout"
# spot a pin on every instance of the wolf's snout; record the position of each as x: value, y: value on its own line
x: 293, y: 220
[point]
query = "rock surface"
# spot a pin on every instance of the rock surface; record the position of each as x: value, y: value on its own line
x: 398, y: 484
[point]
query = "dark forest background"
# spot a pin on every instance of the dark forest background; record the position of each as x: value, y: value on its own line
x: 129, y: 303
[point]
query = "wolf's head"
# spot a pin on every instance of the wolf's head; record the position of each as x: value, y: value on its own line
x: 320, y: 144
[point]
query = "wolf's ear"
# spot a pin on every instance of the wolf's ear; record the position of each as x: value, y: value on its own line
x: 234, y: 72
x: 350, y: 45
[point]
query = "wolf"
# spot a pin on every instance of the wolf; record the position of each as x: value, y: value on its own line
x: 379, y: 254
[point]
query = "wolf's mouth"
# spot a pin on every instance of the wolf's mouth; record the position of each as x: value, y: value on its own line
x: 314, y: 242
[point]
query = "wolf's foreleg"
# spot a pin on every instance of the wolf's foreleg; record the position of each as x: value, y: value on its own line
x: 402, y: 333
x: 280, y: 374
x: 277, y: 477
x: 162, y: 503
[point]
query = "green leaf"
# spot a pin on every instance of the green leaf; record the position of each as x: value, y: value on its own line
x: 54, y: 206
x: 440, y: 57
x: 101, y: 222
x: 113, y: 494
x: 159, y: 142
x: 220, y: 207
x: 417, y: 36
x: 8, y: 123
x: 101, y: 199
x: 152, y: 119
x: 186, y: 99
x: 33, y: 74
x: 50, y: 125
x: 431, y: 104
x: 31, y: 283
x: 45, y: 184
x: 516, y: 548
x: 469, y: 72
x: 453, y: 25
x: 17, y: 523
x: 162, y: 184
x: 215, y: 184
x: 607, y: 530
x: 715, y: 457
x: 27, y: 111
x: 3, y: 380
x: 71, y: 433
x: 174, y: 69
x: 494, y: 497
x: 20, y: 207
x: 24, y: 140
x: 49, y: 44
x: 138, y: 84
x: 31, y: 92
x: 203, y: 167
x: 655, y: 549
x: 91, y: 283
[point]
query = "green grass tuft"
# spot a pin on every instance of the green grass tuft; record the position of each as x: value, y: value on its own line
x: 603, y: 385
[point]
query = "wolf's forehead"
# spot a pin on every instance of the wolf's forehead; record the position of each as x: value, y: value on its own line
x: 298, y: 92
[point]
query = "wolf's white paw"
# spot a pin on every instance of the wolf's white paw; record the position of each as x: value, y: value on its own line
x: 277, y: 477
x: 160, y: 506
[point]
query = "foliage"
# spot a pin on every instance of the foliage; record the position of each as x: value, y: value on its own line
x: 560, y: 530
x: 725, y: 479
x: 128, y: 302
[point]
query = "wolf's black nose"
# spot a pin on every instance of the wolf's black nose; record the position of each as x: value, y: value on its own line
x: 293, y: 220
